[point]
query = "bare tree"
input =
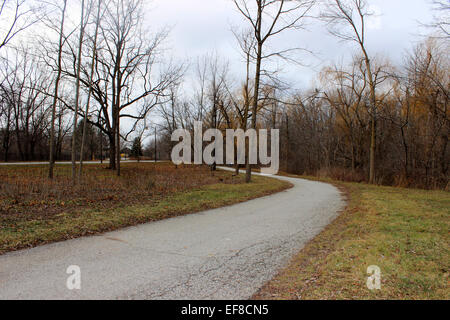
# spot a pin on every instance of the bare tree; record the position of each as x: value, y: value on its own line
x: 347, y: 21
x: 211, y: 74
x: 241, y: 100
x: 91, y: 78
x: 429, y: 83
x: 346, y: 94
x: 77, y: 90
x: 16, y: 16
x: 55, y: 93
x: 25, y: 106
x: 6, y: 115
x: 267, y: 19
x: 442, y: 17
x: 125, y: 84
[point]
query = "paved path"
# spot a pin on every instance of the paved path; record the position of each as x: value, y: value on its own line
x: 42, y: 163
x: 226, y: 253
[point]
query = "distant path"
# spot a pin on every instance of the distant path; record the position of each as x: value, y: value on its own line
x: 226, y: 253
x: 69, y: 163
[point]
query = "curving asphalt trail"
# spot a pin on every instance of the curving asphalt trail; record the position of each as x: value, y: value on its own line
x: 226, y: 253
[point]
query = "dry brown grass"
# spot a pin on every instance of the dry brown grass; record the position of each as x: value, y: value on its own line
x: 35, y: 211
x: 25, y: 190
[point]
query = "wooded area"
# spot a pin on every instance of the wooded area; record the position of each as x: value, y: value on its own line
x: 92, y: 90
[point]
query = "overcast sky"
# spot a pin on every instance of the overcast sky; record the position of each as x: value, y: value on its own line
x: 201, y: 26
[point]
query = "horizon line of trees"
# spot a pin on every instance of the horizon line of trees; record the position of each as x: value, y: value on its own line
x: 90, y: 89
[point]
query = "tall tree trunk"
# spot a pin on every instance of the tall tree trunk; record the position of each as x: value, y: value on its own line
x: 118, y: 142
x: 156, y: 147
x: 91, y: 78
x: 77, y: 96
x: 58, y: 151
x: 101, y: 147
x: 112, y: 151
x: 19, y: 139
x: 6, y: 138
x: 373, y: 124
x: 353, y: 154
x: 248, y: 174
x: 373, y: 143
x: 287, y: 142
x: 214, y: 123
x: 55, y: 96
x: 116, y: 91
x: 6, y: 145
x: 406, y: 153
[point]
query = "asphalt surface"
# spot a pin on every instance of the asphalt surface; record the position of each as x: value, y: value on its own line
x: 226, y: 253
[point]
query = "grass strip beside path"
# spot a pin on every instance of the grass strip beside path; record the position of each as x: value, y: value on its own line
x: 403, y: 231
x: 90, y: 221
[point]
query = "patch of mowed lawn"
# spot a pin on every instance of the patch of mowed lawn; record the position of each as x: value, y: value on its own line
x: 403, y: 231
x: 35, y: 211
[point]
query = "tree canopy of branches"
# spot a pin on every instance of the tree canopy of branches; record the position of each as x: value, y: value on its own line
x: 347, y: 20
x: 125, y: 85
x: 441, y: 18
x: 87, y: 87
x: 268, y: 18
x: 17, y: 16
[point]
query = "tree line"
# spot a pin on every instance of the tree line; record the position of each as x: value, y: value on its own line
x: 86, y: 88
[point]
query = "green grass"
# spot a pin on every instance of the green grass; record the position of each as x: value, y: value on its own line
x: 25, y: 233
x: 403, y: 231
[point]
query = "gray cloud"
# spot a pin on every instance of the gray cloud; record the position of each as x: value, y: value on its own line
x: 201, y: 26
